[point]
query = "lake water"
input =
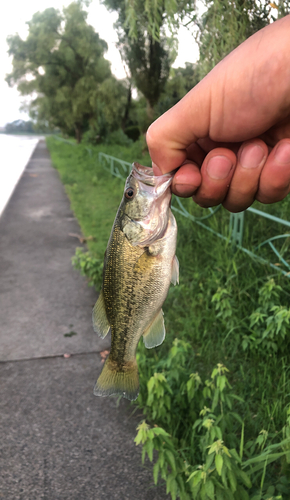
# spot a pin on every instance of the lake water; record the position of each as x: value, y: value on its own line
x: 15, y: 152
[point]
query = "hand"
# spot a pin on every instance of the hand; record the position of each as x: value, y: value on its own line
x: 230, y: 135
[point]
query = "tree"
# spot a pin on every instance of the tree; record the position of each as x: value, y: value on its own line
x: 19, y: 126
x: 157, y: 13
x: 144, y: 45
x: 61, y: 65
x: 180, y: 81
x: 111, y: 105
x: 225, y: 25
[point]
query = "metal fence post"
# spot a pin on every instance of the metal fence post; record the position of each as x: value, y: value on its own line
x: 237, y: 228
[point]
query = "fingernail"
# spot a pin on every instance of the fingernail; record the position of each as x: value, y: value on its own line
x: 219, y: 167
x: 251, y: 156
x: 282, y: 153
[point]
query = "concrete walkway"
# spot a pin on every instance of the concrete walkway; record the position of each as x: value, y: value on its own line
x: 57, y: 441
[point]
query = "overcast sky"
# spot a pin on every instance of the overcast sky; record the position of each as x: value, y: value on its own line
x: 13, y: 17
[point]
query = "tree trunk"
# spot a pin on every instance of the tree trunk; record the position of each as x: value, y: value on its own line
x: 150, y: 112
x: 78, y: 133
x: 127, y: 109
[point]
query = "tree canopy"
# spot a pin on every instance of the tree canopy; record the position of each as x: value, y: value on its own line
x: 61, y: 64
x: 225, y: 25
x: 156, y: 13
x: 144, y: 45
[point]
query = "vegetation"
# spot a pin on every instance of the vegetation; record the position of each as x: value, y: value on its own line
x: 20, y: 127
x: 215, y: 394
x: 62, y: 62
x: 147, y: 54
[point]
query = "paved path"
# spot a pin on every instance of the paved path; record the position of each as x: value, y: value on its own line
x: 57, y: 441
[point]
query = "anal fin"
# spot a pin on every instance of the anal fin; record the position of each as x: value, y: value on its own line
x: 100, y: 320
x: 155, y: 333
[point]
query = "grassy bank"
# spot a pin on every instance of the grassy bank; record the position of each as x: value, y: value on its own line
x: 216, y: 393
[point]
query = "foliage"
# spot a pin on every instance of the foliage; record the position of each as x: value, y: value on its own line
x: 21, y: 126
x: 118, y: 137
x: 62, y: 62
x: 180, y: 81
x: 225, y: 25
x: 88, y: 266
x: 197, y: 410
x: 203, y: 467
x: 147, y: 58
x: 156, y: 12
x: 269, y: 323
x: 111, y: 105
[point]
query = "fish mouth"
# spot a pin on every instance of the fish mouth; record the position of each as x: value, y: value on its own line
x: 146, y: 176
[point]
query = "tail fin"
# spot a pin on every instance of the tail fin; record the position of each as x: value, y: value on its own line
x: 116, y: 381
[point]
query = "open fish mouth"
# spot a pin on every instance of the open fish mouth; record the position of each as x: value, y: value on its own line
x: 146, y: 177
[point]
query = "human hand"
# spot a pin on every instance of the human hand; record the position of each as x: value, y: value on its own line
x: 231, y: 132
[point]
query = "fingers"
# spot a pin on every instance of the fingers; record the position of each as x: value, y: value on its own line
x: 251, y: 159
x: 275, y: 177
x: 186, y: 180
x: 236, y: 181
x: 216, y: 175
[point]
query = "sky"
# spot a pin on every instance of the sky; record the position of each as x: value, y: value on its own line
x: 13, y: 20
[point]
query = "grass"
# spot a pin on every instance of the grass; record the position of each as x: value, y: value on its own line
x: 212, y: 313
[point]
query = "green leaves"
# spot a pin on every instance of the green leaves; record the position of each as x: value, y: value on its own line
x: 219, y: 464
x: 209, y: 489
x: 224, y: 474
x: 169, y: 464
x: 269, y: 323
x: 64, y: 56
x: 153, y: 12
x: 224, y: 25
x: 88, y: 266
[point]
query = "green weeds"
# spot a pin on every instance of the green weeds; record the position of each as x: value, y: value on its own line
x: 216, y: 393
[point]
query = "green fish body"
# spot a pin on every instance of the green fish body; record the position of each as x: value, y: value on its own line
x: 139, y: 265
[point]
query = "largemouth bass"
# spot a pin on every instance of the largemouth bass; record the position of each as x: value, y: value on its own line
x: 139, y: 265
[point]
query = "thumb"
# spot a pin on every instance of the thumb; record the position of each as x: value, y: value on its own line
x: 169, y: 136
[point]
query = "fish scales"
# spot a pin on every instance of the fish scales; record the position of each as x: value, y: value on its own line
x: 136, y: 279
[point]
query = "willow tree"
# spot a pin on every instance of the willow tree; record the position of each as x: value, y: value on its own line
x: 143, y: 42
x: 61, y: 64
x: 180, y: 81
x: 225, y: 25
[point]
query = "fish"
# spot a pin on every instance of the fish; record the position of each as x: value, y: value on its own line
x: 139, y: 265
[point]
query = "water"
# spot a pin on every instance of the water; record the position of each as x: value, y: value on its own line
x: 15, y: 152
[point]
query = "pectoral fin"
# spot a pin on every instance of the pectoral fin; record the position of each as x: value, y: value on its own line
x: 175, y: 271
x: 100, y: 320
x: 155, y: 333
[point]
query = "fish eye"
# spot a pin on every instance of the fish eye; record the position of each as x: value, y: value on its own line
x: 129, y: 193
